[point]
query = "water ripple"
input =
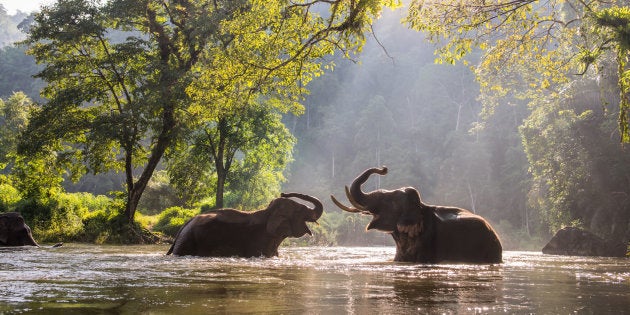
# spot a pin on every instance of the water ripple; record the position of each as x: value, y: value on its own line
x: 130, y: 279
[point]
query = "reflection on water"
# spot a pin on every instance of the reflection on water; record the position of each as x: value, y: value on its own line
x: 83, y: 279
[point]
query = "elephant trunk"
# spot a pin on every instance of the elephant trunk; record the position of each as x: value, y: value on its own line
x: 317, y: 209
x: 28, y: 239
x: 31, y: 241
x: 357, y: 196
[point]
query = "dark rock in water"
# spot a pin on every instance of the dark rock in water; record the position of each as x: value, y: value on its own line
x: 572, y: 241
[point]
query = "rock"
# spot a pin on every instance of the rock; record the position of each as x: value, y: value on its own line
x: 572, y: 241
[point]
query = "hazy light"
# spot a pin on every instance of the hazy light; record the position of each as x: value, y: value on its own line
x: 28, y: 6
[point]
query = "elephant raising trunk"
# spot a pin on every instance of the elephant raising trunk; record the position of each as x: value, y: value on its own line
x: 423, y: 233
x: 317, y: 209
x: 356, y: 196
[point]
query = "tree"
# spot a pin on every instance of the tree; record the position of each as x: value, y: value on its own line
x: 38, y: 176
x: 613, y: 25
x: 122, y: 104
x: 239, y: 151
x: 580, y: 173
x: 544, y: 44
x: 14, y: 117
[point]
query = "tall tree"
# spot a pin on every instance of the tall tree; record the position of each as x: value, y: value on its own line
x: 14, y: 116
x: 240, y: 151
x: 110, y: 97
x: 39, y: 175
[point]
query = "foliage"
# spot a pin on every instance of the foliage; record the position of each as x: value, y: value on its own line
x: 9, y: 196
x: 544, y: 44
x: 159, y: 195
x: 615, y: 24
x: 110, y: 227
x: 14, y: 116
x: 558, y: 58
x: 171, y: 220
x: 395, y: 108
x: 61, y: 217
x: 244, y: 152
x: 579, y: 171
x: 37, y: 176
x: 515, y: 238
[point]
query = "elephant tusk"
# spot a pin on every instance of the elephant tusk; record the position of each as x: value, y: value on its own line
x: 354, y: 202
x: 343, y: 207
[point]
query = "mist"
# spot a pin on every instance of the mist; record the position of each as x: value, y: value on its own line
x: 394, y: 106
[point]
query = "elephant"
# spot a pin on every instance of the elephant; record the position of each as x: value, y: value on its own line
x: 14, y: 231
x: 424, y: 233
x: 230, y: 232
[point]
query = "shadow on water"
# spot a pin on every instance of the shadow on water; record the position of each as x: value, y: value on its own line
x: 83, y: 279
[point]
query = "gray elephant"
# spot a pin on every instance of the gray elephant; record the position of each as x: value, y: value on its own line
x: 230, y: 232
x: 14, y: 231
x: 424, y: 233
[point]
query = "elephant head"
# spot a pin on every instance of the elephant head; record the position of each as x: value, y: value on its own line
x: 287, y: 218
x: 14, y: 231
x: 392, y: 210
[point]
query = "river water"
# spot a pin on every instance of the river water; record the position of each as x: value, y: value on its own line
x: 85, y: 279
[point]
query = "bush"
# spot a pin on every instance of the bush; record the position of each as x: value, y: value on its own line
x: 171, y: 220
x: 158, y: 195
x: 9, y: 196
x: 61, y: 218
x: 97, y: 227
x: 35, y: 212
x: 83, y: 217
x: 112, y: 227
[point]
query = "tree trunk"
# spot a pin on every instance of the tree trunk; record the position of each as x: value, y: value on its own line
x: 220, y: 189
x: 221, y: 166
x: 163, y: 141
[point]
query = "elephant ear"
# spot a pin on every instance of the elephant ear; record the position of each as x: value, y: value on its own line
x: 278, y: 225
x: 411, y: 219
x: 277, y: 222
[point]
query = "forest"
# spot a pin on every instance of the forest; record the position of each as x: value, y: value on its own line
x: 118, y: 125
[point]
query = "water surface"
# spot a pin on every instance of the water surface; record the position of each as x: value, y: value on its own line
x: 86, y: 279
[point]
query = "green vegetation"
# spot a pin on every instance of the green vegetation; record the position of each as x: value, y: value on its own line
x: 171, y: 219
x: 211, y: 159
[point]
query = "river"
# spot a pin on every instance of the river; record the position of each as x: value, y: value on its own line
x: 86, y: 279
